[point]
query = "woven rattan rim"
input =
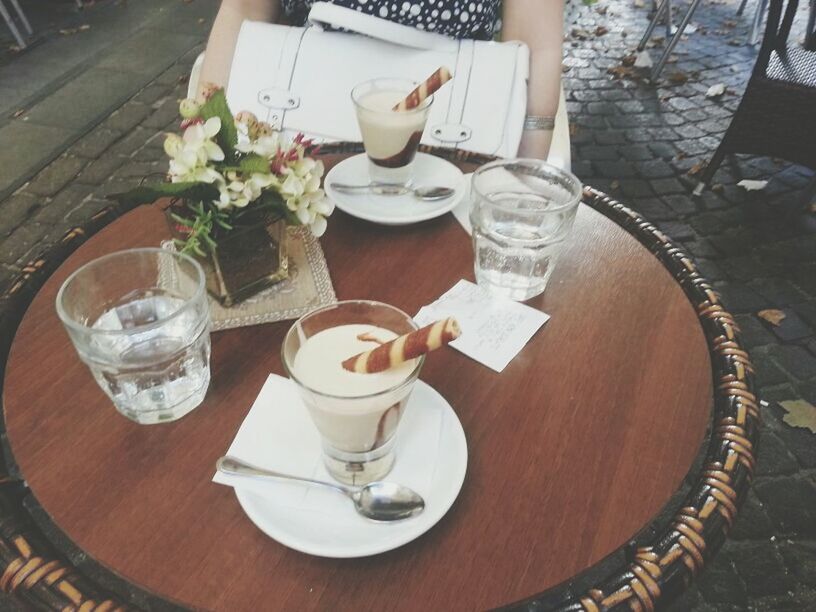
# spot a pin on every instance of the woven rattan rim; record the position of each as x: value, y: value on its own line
x: 653, y: 568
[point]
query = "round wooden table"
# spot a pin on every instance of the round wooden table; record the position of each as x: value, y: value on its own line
x: 573, y: 449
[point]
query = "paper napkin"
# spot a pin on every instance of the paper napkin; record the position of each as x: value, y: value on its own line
x: 278, y: 434
x: 494, y: 329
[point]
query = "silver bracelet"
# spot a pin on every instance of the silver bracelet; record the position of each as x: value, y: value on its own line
x: 537, y: 122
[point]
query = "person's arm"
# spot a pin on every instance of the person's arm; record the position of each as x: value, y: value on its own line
x: 539, y: 24
x: 224, y: 34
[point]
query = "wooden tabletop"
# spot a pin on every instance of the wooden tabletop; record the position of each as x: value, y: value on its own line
x: 572, y: 449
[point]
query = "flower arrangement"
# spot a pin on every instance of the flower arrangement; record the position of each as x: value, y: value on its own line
x: 226, y: 171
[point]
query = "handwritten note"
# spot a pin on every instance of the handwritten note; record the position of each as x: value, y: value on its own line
x: 494, y: 329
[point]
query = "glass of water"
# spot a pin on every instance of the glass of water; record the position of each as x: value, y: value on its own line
x: 521, y: 212
x: 139, y: 319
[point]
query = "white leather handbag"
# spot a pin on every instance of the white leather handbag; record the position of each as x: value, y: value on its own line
x: 299, y: 79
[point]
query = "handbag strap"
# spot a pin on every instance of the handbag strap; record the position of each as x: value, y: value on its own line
x: 454, y: 131
x: 326, y: 14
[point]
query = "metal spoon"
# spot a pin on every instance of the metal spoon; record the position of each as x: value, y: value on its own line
x: 378, y: 501
x: 423, y: 193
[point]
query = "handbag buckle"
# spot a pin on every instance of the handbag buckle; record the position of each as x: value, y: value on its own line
x: 278, y: 99
x: 451, y: 132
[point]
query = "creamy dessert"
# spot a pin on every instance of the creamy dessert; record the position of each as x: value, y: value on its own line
x: 390, y: 137
x: 354, y: 412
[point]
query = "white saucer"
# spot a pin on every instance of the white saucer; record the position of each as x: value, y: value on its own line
x: 326, y: 524
x: 429, y: 170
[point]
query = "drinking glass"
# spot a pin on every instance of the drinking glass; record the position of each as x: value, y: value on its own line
x: 140, y: 321
x: 357, y: 430
x: 522, y: 211
x: 390, y: 137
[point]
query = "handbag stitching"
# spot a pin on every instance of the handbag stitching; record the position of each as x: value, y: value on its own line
x: 472, y: 47
x: 450, y: 99
x: 292, y: 73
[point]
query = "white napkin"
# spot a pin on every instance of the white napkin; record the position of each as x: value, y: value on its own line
x: 494, y: 329
x: 278, y: 434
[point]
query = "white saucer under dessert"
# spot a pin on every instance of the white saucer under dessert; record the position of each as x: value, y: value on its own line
x: 429, y: 170
x: 431, y: 458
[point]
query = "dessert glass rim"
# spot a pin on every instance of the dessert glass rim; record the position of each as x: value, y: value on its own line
x: 188, y: 303
x: 355, y: 97
x: 290, y: 371
x: 574, y: 187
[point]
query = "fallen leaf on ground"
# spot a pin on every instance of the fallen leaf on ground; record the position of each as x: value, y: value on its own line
x: 718, y: 188
x: 695, y: 169
x: 772, y: 316
x: 601, y: 10
x: 601, y: 30
x: 628, y: 60
x: 580, y: 33
x: 18, y: 112
x: 573, y: 129
x: 729, y: 24
x: 678, y: 77
x: 800, y: 413
x: 620, y: 72
x: 715, y: 91
x: 749, y: 185
x: 643, y: 60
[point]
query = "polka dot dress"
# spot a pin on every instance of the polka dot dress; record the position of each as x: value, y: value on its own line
x: 457, y: 18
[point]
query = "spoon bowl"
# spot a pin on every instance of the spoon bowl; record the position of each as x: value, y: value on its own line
x: 378, y: 501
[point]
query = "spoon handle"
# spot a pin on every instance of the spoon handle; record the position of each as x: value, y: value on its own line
x: 375, y: 187
x: 236, y: 467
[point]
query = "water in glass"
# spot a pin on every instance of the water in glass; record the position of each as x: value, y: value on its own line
x: 521, y: 212
x: 157, y: 374
x: 140, y: 321
x: 514, y: 256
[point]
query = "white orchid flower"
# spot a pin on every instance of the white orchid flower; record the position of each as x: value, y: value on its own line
x: 198, y: 138
x: 173, y: 145
x: 318, y: 226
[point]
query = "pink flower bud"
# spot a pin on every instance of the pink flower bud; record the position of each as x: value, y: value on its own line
x: 188, y: 122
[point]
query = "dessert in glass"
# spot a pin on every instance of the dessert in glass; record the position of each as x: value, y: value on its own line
x: 356, y: 414
x: 390, y: 137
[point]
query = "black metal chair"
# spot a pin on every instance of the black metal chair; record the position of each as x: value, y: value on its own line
x: 777, y: 114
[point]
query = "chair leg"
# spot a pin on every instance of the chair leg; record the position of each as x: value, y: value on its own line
x: 22, y: 16
x: 810, y: 31
x: 762, y: 6
x: 741, y: 8
x: 809, y: 194
x: 711, y: 168
x: 650, y: 28
x: 674, y: 40
x: 668, y: 19
x: 10, y: 23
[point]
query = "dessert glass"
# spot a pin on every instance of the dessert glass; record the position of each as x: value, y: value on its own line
x: 357, y: 430
x: 390, y: 138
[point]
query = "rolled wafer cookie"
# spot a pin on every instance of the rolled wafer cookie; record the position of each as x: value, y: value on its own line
x: 406, y: 347
x: 424, y: 89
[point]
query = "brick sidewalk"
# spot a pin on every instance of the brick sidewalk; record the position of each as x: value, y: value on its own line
x: 639, y: 142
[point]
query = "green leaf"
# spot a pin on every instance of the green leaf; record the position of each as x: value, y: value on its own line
x: 254, y: 163
x: 227, y: 136
x: 145, y: 194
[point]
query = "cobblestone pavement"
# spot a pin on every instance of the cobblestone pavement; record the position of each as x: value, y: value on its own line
x: 642, y: 143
